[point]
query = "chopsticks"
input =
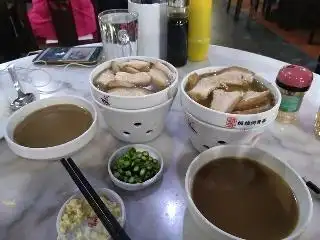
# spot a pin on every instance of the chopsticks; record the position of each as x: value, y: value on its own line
x: 313, y: 187
x: 146, y: 1
x: 103, y: 213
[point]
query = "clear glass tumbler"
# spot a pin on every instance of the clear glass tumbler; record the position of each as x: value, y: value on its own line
x: 119, y: 33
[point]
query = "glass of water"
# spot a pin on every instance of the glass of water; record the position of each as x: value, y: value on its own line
x: 119, y: 33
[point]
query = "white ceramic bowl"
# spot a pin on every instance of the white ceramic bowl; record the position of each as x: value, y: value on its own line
x: 280, y: 167
x: 135, y: 126
x: 110, y: 194
x: 228, y: 120
x: 56, y: 152
x: 138, y: 186
x: 129, y: 102
x: 204, y: 136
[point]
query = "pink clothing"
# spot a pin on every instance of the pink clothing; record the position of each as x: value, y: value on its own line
x: 83, y: 14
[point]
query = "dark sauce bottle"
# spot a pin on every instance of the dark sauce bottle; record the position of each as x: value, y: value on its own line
x: 177, y: 38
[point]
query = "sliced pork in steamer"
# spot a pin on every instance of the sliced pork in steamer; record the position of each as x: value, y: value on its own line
x: 138, y: 79
x: 115, y: 67
x: 163, y: 68
x: 203, y: 88
x: 104, y: 79
x: 232, y: 89
x: 158, y: 78
x: 252, y: 99
x: 135, y: 74
x: 129, y: 69
x: 225, y: 79
x: 262, y: 108
x: 129, y: 91
x: 235, y: 77
x: 116, y: 84
x: 137, y: 64
x: 192, y: 81
x: 225, y: 101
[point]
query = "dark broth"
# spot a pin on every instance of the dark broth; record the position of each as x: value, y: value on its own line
x: 52, y: 126
x: 245, y: 199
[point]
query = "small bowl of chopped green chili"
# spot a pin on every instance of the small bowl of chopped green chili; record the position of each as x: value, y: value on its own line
x: 135, y: 166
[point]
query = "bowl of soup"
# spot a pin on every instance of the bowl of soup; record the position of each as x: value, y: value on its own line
x: 51, y: 128
x: 230, y: 97
x: 242, y: 192
x: 134, y: 82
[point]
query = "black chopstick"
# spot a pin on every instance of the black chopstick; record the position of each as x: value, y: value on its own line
x: 313, y: 187
x: 103, y: 213
x: 146, y: 1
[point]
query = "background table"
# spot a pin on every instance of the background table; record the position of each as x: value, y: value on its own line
x: 32, y: 192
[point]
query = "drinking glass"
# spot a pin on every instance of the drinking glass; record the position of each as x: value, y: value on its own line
x: 119, y: 33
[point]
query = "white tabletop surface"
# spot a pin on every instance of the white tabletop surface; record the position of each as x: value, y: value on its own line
x: 32, y: 192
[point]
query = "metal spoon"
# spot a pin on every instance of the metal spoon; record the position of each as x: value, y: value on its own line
x: 23, y: 98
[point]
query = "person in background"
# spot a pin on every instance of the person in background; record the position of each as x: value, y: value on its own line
x: 8, y: 40
x: 42, y: 26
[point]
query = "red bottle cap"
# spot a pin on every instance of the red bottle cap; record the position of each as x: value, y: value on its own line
x: 295, y: 76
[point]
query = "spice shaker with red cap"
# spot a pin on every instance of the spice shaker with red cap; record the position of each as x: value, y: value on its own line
x: 293, y: 82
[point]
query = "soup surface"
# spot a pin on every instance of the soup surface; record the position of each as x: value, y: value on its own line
x: 52, y: 126
x: 245, y: 199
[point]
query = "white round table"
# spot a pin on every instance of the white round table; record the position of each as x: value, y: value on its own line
x: 32, y: 192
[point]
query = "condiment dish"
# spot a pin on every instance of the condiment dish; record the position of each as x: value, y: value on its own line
x: 138, y: 186
x: 108, y: 193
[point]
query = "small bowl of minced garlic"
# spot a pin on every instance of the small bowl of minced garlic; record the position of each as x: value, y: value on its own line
x: 76, y: 219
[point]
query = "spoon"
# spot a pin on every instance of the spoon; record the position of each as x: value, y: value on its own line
x: 124, y: 39
x: 23, y: 98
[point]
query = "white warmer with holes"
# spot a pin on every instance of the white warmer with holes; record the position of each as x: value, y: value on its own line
x: 135, y: 126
